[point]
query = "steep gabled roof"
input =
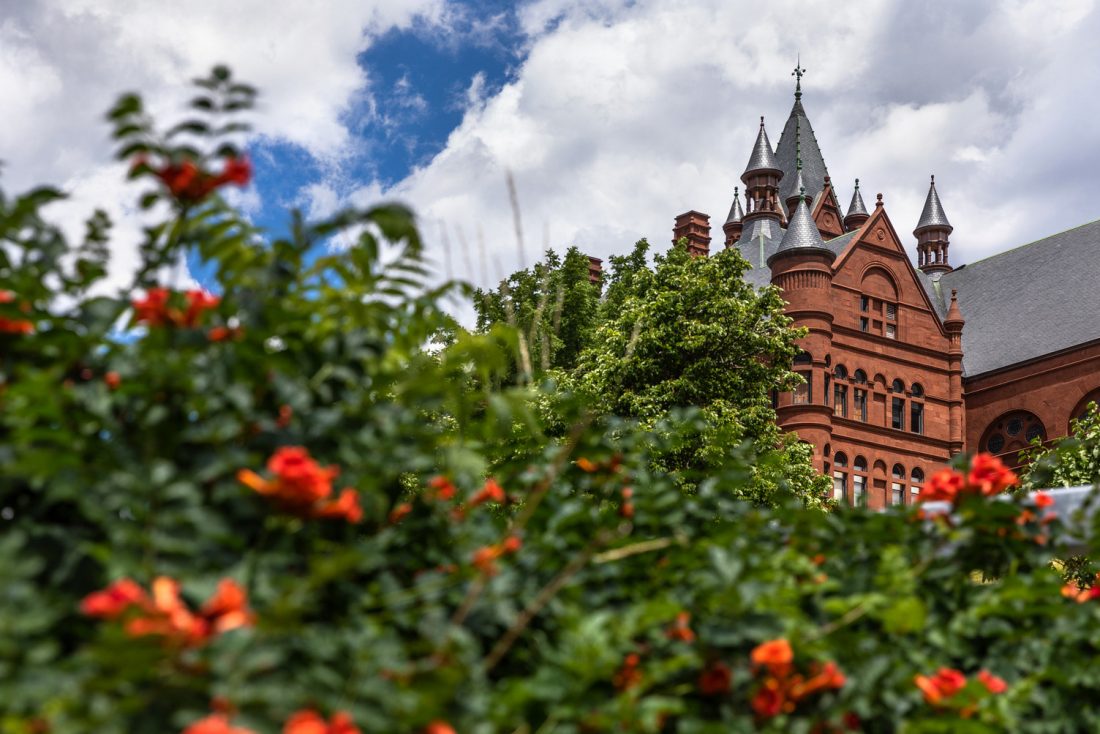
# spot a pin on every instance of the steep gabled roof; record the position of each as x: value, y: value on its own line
x: 857, y: 206
x: 813, y: 164
x: 735, y: 215
x: 1034, y: 300
x: 762, y: 157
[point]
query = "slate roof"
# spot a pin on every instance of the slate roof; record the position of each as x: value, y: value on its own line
x: 1039, y: 298
x: 813, y: 164
x: 762, y: 156
x: 735, y: 215
x: 857, y: 206
x: 933, y: 215
x: 802, y: 233
x: 759, y: 240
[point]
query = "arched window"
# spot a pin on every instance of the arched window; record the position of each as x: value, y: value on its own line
x: 916, y: 408
x: 840, y: 477
x: 1083, y: 407
x: 804, y: 358
x: 859, y: 481
x: 840, y: 391
x: 897, y: 486
x: 859, y: 377
x: 916, y: 481
x: 897, y: 405
x: 1011, y: 433
x: 859, y: 396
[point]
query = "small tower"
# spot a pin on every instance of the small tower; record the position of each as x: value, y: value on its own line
x: 857, y: 211
x: 953, y: 324
x: 732, y: 227
x: 932, y: 232
x: 761, y: 179
x: 802, y: 268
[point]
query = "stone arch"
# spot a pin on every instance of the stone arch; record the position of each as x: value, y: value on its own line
x: 879, y: 282
x: 1010, y: 433
x: 879, y: 469
x: 1079, y: 409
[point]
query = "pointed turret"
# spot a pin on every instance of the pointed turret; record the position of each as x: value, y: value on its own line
x: 761, y: 179
x: 857, y: 211
x: 787, y: 152
x: 932, y: 234
x: 732, y: 227
x: 802, y: 236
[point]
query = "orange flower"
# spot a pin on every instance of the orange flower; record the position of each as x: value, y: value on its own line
x: 6, y: 296
x: 989, y: 475
x: 345, y: 506
x: 399, y: 512
x: 491, y: 492
x: 301, y: 480
x: 484, y: 559
x: 587, y: 465
x: 439, y: 727
x: 827, y: 676
x: 769, y: 700
x: 190, y: 185
x: 680, y: 629
x: 227, y: 609
x: 444, y: 490
x: 198, y: 301
x: 285, y: 414
x: 215, y: 724
x: 237, y: 171
x: 114, y: 600
x: 15, y: 326
x: 1042, y: 499
x: 224, y: 333
x: 628, y: 676
x: 308, y: 721
x: 715, y: 679
x: 776, y: 655
x: 992, y: 683
x: 112, y: 380
x: 944, y: 684
x: 943, y: 486
x: 153, y: 308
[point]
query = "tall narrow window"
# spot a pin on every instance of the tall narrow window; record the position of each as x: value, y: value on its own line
x: 803, y: 394
x: 840, y: 400
x: 897, y: 493
x: 864, y: 324
x: 859, y: 490
x: 917, y: 482
x: 840, y: 477
x: 891, y: 331
x: 916, y: 417
x: 859, y: 404
x: 897, y: 413
x: 891, y: 312
x: 864, y: 303
x: 828, y: 384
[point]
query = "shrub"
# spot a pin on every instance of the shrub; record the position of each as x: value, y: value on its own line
x: 274, y: 509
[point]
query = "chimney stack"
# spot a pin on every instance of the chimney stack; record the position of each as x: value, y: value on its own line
x: 695, y: 226
x: 595, y: 270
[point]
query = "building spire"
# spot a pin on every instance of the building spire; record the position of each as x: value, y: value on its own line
x: 857, y: 211
x: 797, y: 73
x: 761, y: 179
x: 733, y: 226
x: 799, y: 185
x: 802, y: 235
x: 932, y: 234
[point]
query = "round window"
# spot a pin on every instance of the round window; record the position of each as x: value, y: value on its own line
x: 1014, y: 427
x: 995, y: 443
x: 1034, y: 431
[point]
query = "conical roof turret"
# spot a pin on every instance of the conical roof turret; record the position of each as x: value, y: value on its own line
x: 857, y: 210
x: 933, y: 214
x: 798, y: 126
x: 736, y: 213
x: 762, y: 158
x: 802, y: 235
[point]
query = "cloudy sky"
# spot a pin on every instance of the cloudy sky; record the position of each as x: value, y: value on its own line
x: 611, y: 116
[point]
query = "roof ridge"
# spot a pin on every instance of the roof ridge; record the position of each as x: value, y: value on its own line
x: 1026, y: 244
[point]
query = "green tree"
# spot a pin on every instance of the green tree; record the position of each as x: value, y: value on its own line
x: 553, y: 307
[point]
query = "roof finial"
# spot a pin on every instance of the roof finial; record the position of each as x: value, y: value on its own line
x: 802, y: 193
x: 857, y: 184
x: 878, y: 199
x: 736, y: 191
x: 798, y: 72
x: 933, y: 179
x: 761, y: 122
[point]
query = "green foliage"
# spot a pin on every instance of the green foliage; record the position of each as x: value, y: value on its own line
x: 1068, y: 462
x: 120, y: 453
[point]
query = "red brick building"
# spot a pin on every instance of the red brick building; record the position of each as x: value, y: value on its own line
x: 907, y: 365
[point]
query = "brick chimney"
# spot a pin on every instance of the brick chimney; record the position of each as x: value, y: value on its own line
x: 695, y: 226
x: 595, y: 270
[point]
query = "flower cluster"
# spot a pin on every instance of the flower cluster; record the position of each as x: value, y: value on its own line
x: 987, y: 476
x: 943, y: 688
x: 1081, y: 594
x: 681, y: 628
x: 306, y: 721
x: 303, y: 487
x: 164, y: 614
x: 156, y: 308
x: 14, y: 326
x: 781, y: 688
x: 485, y: 558
x: 189, y: 184
x: 628, y: 676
